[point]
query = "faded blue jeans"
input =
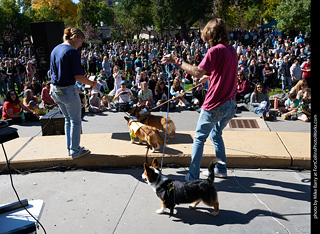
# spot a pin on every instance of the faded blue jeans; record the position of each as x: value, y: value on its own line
x: 211, y: 123
x: 68, y: 100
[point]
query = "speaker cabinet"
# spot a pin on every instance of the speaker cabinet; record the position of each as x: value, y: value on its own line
x: 52, y: 123
x: 46, y: 36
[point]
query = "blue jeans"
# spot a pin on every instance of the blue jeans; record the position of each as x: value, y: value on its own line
x: 69, y: 103
x: 211, y: 123
x: 286, y: 80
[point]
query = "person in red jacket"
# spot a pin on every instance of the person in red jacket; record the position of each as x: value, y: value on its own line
x: 45, y: 96
x: 243, y: 86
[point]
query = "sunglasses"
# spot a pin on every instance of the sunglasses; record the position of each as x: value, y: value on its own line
x: 12, y: 94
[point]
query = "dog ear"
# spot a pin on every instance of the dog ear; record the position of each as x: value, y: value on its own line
x: 146, y: 167
x: 155, y: 163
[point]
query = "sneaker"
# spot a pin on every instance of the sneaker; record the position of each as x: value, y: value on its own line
x: 205, y: 173
x: 218, y: 174
x: 82, y: 153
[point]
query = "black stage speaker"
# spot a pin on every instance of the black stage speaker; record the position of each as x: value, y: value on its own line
x: 52, y: 123
x: 46, y: 36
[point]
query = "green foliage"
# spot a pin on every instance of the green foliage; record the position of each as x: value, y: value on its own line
x: 105, y: 14
x: 253, y: 16
x: 13, y: 24
x: 187, y: 12
x: 161, y: 15
x: 131, y: 16
x: 87, y: 13
x: 294, y: 13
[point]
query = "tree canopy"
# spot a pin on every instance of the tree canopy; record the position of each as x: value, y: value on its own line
x: 128, y: 17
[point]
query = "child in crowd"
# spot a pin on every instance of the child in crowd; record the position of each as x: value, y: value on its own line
x: 123, y: 97
x: 291, y: 107
x: 94, y: 102
x: 304, y: 109
x: 105, y: 103
x: 102, y: 85
x: 117, y: 79
x: 145, y: 96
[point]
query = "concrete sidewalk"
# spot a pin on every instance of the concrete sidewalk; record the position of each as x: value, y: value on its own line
x: 243, y: 148
x: 117, y: 201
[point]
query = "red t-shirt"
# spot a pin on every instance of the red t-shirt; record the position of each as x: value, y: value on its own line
x: 16, y: 109
x: 306, y: 66
x: 221, y: 62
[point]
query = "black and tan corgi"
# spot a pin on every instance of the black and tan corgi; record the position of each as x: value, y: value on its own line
x: 172, y: 193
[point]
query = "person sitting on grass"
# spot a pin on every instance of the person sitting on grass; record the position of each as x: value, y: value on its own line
x: 29, y: 100
x: 145, y: 96
x: 123, y: 97
x: 304, y: 109
x: 259, y: 100
x: 291, y: 107
x: 175, y: 91
x: 45, y: 96
x: 13, y: 107
x: 198, y: 95
x: 94, y: 102
x: 243, y: 86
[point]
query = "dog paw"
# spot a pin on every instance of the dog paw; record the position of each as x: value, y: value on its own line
x: 214, y: 213
x: 160, y: 211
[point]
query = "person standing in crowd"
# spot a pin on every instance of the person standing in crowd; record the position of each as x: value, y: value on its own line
x: 65, y: 67
x: 221, y: 63
x: 306, y: 68
x: 285, y: 74
x: 295, y: 72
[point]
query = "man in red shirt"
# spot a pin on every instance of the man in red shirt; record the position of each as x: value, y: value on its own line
x: 306, y: 68
x: 220, y: 68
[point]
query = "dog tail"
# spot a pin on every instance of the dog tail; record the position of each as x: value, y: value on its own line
x: 171, y: 124
x: 212, y: 166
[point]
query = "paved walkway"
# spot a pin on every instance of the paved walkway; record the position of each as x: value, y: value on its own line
x: 117, y: 201
x: 108, y: 140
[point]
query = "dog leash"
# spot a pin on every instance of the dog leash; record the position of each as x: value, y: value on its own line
x: 175, y: 96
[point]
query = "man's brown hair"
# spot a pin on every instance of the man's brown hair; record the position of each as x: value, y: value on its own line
x: 215, y: 32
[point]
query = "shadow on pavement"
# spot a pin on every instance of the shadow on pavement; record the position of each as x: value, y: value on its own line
x: 225, y: 217
x: 265, y: 186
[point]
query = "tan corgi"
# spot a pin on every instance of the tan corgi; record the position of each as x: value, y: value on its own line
x: 144, y: 132
x: 158, y: 122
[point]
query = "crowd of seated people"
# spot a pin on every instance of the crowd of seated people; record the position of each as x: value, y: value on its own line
x: 131, y: 73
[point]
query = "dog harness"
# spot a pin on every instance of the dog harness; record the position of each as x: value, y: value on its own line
x: 172, y: 193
